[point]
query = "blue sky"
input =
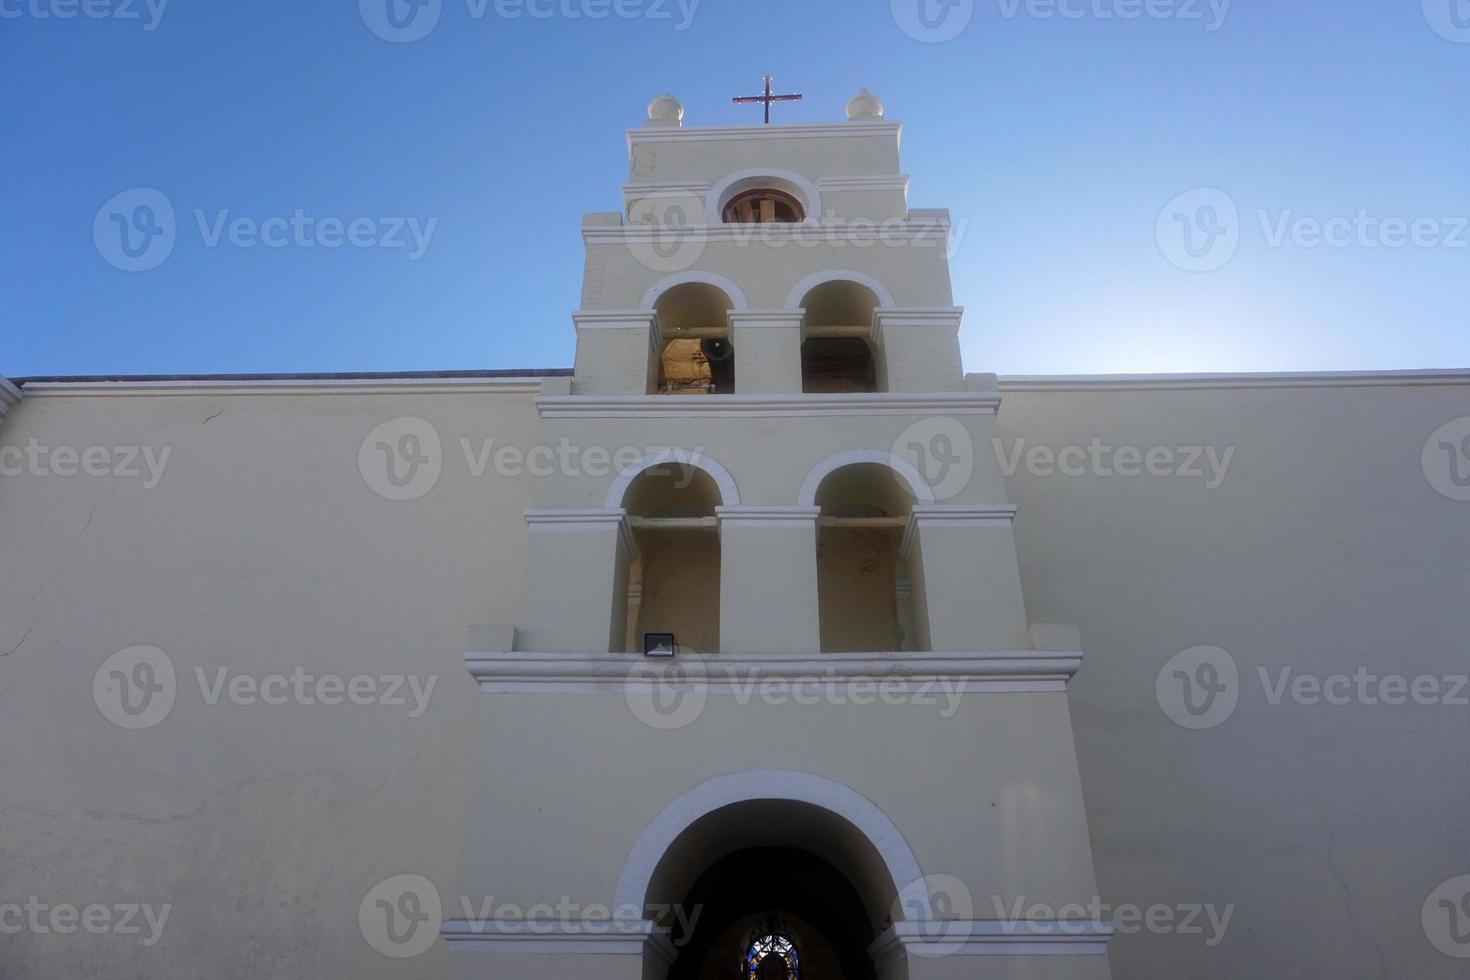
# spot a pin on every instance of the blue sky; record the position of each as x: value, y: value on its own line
x: 1060, y: 133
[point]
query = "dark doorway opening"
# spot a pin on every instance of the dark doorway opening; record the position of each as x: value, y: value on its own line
x: 755, y: 895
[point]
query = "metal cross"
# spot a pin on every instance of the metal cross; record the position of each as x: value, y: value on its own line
x: 768, y: 98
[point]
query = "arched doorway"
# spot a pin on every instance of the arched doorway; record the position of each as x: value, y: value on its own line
x: 773, y: 912
x: 746, y: 880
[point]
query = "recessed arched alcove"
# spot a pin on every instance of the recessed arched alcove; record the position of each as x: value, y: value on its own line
x: 837, y: 355
x: 864, y: 589
x: 696, y: 356
x: 674, y: 582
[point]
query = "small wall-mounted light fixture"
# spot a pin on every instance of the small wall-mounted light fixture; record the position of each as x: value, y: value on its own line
x: 660, y: 644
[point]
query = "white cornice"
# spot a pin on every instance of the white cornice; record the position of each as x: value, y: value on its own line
x: 625, y: 937
x: 783, y: 518
x: 954, y: 516
x: 644, y: 189
x: 919, y: 316
x: 891, y: 232
x: 1027, y: 671
x: 764, y: 406
x: 768, y: 319
x: 984, y: 937
x: 286, y: 386
x: 877, y: 182
x: 9, y: 397
x: 1183, y: 382
x: 778, y: 131
x: 584, y: 520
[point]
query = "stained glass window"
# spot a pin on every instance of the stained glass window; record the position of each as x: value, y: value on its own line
x: 772, y: 944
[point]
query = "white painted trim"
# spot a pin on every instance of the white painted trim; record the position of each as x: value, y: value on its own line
x: 948, y: 317
x: 599, y: 937
x: 877, y: 182
x: 285, y: 386
x: 644, y: 320
x: 729, y: 491
x: 10, y: 396
x: 1182, y: 382
x: 584, y: 519
x: 728, y: 187
x: 954, y: 516
x: 895, y: 231
x: 783, y: 518
x: 613, y: 319
x: 918, y: 486
x: 634, y: 192
x: 799, y: 292
x: 724, y: 283
x: 763, y: 319
x: 990, y: 672
x: 991, y: 937
x: 764, y: 406
x: 775, y: 131
x: 764, y: 784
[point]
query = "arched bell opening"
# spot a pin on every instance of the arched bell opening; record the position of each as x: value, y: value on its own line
x: 674, y: 582
x: 837, y: 355
x: 697, y: 357
x: 864, y: 588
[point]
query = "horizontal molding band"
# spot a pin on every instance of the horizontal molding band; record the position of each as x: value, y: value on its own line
x: 217, y: 388
x: 775, y: 131
x: 949, y: 516
x: 771, y: 319
x: 1033, y: 671
x: 765, y: 406
x: 783, y: 518
x: 613, y: 319
x: 1185, y: 382
x: 875, y: 182
x: 590, y: 937
x: 982, y: 937
x: 889, y: 231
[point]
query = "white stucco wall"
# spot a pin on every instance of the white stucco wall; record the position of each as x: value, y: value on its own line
x: 1324, y: 550
x: 263, y: 549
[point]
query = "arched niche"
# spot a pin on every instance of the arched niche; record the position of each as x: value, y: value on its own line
x: 838, y: 355
x: 694, y: 355
x: 674, y: 577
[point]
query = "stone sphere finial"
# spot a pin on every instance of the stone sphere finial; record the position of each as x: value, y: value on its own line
x: 865, y: 105
x: 666, y: 111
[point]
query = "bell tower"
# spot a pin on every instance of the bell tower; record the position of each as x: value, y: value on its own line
x: 801, y: 506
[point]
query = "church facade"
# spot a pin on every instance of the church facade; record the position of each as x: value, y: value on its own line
x: 765, y: 642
